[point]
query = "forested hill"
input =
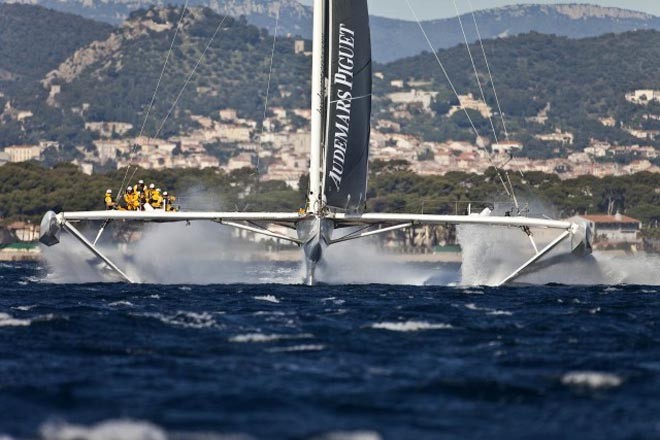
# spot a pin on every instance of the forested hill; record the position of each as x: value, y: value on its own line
x: 581, y: 80
x: 118, y: 82
x: 114, y: 79
x: 34, y: 40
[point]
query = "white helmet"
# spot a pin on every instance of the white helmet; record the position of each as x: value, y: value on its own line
x: 109, y: 191
x: 152, y: 186
x: 165, y: 193
x: 130, y: 188
x: 141, y: 181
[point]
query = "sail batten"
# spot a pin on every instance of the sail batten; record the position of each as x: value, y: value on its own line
x: 348, y: 108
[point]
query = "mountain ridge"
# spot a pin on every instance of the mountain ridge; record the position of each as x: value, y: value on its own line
x: 399, y: 38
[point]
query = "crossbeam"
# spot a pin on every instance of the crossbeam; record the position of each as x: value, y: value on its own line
x: 372, y: 233
x: 536, y: 258
x: 262, y: 231
x: 76, y: 233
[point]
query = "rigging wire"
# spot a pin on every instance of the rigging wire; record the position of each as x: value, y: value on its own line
x: 162, y: 72
x: 185, y: 84
x: 483, y: 95
x: 189, y: 78
x: 153, y: 98
x: 444, y: 71
x: 270, y: 74
x: 451, y: 84
x: 497, y: 99
x: 474, y: 67
x: 351, y: 99
x: 490, y: 73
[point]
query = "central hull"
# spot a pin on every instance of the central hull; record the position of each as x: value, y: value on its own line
x: 315, y: 233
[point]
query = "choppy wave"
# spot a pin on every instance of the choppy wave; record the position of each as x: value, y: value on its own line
x: 264, y: 338
x: 591, y: 379
x: 298, y: 348
x: 7, y: 320
x: 347, y: 435
x: 125, y: 429
x: 268, y: 298
x: 121, y: 303
x: 108, y: 430
x: 490, y: 312
x: 213, y: 358
x: 185, y: 319
x: 410, y: 326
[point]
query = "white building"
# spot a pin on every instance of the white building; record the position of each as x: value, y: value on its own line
x: 613, y: 229
x: 643, y: 97
x: 506, y: 147
x: 469, y: 102
x: 23, y: 153
x: 413, y: 97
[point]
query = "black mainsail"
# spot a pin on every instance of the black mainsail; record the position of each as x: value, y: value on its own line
x: 348, y: 104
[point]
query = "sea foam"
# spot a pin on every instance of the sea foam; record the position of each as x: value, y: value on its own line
x: 410, y: 326
x: 7, y: 320
x: 591, y: 379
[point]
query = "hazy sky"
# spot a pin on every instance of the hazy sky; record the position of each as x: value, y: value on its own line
x: 429, y: 9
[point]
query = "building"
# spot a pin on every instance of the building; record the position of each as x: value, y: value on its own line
x: 506, y: 147
x: 233, y: 133
x: 108, y: 129
x: 557, y: 136
x: 109, y: 150
x: 470, y: 103
x: 413, y: 97
x: 228, y: 114
x: 643, y: 97
x: 23, y: 153
x: 613, y: 230
x: 243, y: 160
x: 24, y: 231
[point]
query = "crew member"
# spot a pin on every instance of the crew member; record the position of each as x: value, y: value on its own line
x: 132, y: 199
x: 156, y: 200
x: 139, y: 190
x: 109, y: 202
x: 148, y: 192
x: 168, y: 202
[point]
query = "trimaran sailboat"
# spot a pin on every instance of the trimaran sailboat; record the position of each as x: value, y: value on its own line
x: 341, y: 110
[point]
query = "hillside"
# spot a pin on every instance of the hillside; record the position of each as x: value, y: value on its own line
x: 395, y: 39
x: 34, y: 40
x: 113, y: 80
x: 576, y: 81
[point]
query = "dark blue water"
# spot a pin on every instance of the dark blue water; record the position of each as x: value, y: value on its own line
x: 288, y: 362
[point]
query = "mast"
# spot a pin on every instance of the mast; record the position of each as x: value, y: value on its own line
x: 314, y: 196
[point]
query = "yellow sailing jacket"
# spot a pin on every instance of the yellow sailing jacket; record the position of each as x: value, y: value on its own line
x: 132, y: 201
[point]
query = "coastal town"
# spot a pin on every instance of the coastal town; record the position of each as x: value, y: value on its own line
x: 279, y: 144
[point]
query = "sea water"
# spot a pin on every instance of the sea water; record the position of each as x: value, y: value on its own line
x: 367, y: 362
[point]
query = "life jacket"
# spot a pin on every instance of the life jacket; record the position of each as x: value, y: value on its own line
x: 156, y: 200
x: 169, y: 204
x: 132, y: 201
x: 109, y: 202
